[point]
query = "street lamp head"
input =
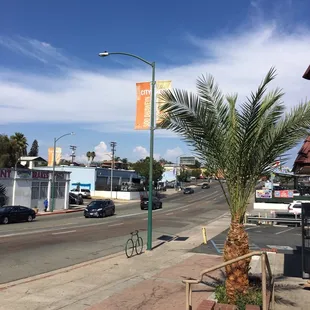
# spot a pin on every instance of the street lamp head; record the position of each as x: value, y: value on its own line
x: 104, y: 54
x: 72, y: 133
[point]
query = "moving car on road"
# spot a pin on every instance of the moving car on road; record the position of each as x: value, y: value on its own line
x: 205, y: 185
x: 100, y: 208
x: 157, y: 204
x: 75, y: 199
x: 188, y: 190
x: 10, y: 214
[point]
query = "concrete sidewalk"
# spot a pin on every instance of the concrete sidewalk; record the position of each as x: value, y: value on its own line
x: 148, y: 281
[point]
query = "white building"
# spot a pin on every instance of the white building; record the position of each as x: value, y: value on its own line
x: 30, y: 188
x: 32, y: 161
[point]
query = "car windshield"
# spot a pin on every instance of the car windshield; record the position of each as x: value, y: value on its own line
x: 85, y: 190
x: 95, y: 204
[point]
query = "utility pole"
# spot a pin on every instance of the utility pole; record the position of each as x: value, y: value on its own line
x: 113, y: 145
x: 72, y: 148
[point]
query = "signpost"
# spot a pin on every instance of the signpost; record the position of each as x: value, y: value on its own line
x: 187, y: 161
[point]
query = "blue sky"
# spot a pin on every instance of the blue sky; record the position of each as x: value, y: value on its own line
x: 53, y: 82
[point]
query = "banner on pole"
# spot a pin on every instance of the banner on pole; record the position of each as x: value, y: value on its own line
x: 160, y: 86
x: 143, y: 108
x: 51, y: 156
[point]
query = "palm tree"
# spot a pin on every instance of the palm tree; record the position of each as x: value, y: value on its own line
x: 19, y: 144
x: 88, y: 155
x: 92, y: 155
x: 242, y: 143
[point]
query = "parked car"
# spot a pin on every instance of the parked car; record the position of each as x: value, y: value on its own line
x: 295, y: 207
x: 75, y: 199
x: 296, y: 193
x: 10, y: 214
x: 157, y: 204
x: 99, y: 208
x: 205, y: 185
x: 188, y: 190
x: 85, y: 193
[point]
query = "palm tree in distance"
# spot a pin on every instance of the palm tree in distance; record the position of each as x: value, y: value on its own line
x: 242, y: 143
x: 88, y: 155
x: 19, y: 145
x: 92, y: 156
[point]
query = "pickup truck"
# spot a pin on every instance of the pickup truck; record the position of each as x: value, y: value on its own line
x: 85, y: 193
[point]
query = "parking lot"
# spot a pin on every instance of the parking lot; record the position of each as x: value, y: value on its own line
x: 280, y: 239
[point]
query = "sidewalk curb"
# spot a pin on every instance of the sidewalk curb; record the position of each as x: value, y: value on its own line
x: 60, y: 212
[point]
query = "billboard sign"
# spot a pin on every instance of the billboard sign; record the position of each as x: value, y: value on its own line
x: 187, y: 160
x: 283, y: 194
x: 264, y: 193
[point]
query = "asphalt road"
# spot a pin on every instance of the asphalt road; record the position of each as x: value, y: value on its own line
x: 56, y: 241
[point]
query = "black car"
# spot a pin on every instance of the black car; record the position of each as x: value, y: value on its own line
x: 10, y: 214
x: 188, y: 190
x: 205, y: 185
x: 157, y: 204
x: 100, y: 208
x: 75, y: 199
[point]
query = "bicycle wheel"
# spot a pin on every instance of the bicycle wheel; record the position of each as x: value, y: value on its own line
x: 129, y: 248
x: 139, y: 245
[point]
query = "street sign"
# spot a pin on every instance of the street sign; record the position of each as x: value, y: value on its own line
x: 188, y: 160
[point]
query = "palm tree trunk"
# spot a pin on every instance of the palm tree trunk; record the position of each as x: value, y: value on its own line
x: 237, y: 244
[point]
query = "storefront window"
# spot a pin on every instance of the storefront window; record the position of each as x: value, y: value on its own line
x: 35, y: 190
x: 43, y: 190
x: 60, y: 193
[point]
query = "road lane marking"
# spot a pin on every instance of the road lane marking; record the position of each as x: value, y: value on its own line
x: 64, y: 232
x: 185, y: 210
x: 59, y: 227
x: 169, y: 213
x: 283, y: 231
x: 119, y: 224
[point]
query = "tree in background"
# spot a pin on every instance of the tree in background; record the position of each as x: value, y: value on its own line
x: 19, y: 144
x: 242, y: 142
x: 88, y: 155
x: 142, y: 167
x: 34, y: 150
x: 7, y: 157
x: 196, y: 173
x: 92, y: 156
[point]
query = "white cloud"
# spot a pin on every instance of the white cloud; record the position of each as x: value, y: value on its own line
x: 172, y: 154
x: 237, y: 61
x: 41, y: 51
x: 141, y: 152
x: 101, y: 151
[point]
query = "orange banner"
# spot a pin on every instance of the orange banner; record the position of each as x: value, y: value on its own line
x: 51, y: 156
x: 143, y: 109
x: 160, y: 86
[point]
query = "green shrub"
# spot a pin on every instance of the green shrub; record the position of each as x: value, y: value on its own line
x: 252, y: 297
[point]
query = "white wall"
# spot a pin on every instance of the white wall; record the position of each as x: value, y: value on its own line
x: 23, y: 192
x: 270, y: 206
x: 117, y: 195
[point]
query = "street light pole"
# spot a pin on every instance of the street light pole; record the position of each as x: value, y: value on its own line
x: 152, y: 128
x: 113, y: 145
x: 53, y: 172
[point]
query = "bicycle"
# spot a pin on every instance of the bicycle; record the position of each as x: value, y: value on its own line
x: 132, y: 245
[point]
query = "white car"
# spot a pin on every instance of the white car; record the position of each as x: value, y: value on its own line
x: 85, y: 193
x: 295, y: 207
